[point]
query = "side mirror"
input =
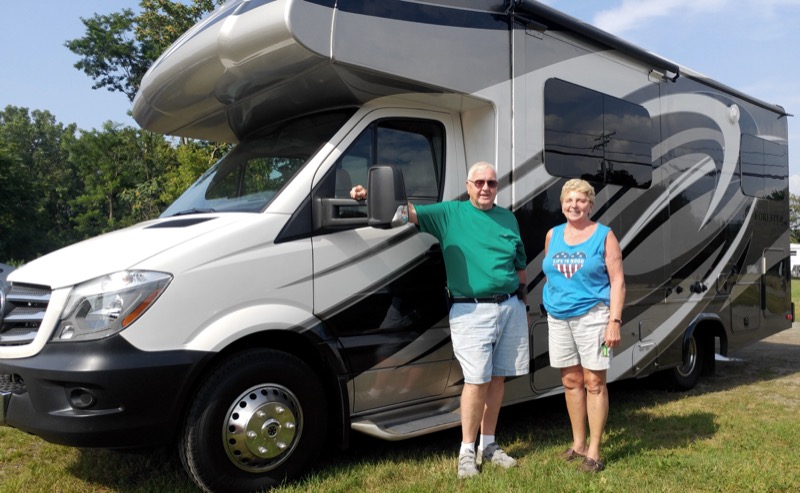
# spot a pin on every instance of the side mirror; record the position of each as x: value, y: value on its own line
x: 387, y: 206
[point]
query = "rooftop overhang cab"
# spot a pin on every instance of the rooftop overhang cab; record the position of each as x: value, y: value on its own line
x: 240, y: 69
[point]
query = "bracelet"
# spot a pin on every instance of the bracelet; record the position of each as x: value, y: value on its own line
x: 617, y: 321
x: 527, y: 308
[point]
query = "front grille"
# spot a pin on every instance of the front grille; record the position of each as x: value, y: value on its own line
x: 25, y: 306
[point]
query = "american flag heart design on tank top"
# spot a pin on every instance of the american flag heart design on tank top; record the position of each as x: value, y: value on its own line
x: 568, y: 264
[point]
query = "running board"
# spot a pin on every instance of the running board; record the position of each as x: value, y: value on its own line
x: 394, y: 426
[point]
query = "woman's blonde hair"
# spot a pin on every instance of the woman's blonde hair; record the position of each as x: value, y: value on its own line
x: 580, y: 186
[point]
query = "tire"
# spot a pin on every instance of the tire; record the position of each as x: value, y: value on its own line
x: 686, y: 376
x: 258, y: 420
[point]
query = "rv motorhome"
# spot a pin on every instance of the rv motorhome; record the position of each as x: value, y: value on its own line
x: 266, y: 311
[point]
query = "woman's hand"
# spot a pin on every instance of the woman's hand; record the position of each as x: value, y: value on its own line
x: 612, y: 336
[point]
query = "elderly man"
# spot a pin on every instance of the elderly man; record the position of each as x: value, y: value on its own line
x: 485, y: 264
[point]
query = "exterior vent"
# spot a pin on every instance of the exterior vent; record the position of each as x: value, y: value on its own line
x: 180, y: 223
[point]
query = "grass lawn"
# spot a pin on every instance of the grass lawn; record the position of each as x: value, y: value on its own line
x: 735, y: 431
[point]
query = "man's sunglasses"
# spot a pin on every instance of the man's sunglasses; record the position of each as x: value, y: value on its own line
x: 480, y: 183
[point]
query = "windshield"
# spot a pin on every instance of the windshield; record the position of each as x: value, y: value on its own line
x: 252, y: 174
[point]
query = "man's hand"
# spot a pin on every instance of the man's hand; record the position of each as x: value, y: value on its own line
x: 358, y: 192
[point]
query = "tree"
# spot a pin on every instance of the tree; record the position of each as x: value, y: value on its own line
x: 194, y: 158
x: 116, y: 52
x: 35, y: 163
x: 121, y: 171
x: 59, y: 185
x: 794, y: 218
x: 118, y: 48
x: 16, y: 208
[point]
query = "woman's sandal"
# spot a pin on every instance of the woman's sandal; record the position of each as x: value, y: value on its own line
x: 570, y: 455
x: 591, y: 465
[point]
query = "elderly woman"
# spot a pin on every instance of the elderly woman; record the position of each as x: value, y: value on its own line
x: 583, y: 296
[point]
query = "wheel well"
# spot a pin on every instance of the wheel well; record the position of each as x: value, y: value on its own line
x: 311, y: 354
x: 707, y: 332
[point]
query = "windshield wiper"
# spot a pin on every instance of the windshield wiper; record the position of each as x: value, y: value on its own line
x: 193, y: 211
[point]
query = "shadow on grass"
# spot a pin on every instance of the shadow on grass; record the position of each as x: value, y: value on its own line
x: 146, y: 470
x: 543, y: 424
x: 524, y: 429
x: 531, y: 428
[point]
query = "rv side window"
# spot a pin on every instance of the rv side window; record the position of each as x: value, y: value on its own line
x: 763, y: 165
x: 417, y: 148
x: 596, y: 137
x: 414, y: 146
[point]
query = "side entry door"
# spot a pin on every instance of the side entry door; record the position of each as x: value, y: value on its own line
x: 382, y: 292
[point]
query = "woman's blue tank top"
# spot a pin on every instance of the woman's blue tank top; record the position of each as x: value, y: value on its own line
x: 577, y: 278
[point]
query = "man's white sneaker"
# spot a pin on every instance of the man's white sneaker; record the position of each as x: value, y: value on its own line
x: 494, y: 454
x: 467, y: 467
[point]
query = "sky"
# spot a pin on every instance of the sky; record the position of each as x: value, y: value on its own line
x: 750, y: 45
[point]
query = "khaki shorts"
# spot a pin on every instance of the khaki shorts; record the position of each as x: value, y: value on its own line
x: 578, y: 340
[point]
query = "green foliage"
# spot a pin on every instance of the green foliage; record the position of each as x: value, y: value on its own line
x: 120, y: 167
x: 118, y: 48
x: 794, y: 218
x: 164, y: 21
x: 110, y: 54
x: 39, y: 180
x: 60, y: 186
x: 15, y: 207
x: 193, y: 158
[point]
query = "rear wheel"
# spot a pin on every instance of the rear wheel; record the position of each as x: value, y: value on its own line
x: 258, y: 420
x: 695, y: 356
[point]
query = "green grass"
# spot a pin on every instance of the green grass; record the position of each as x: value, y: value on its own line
x: 736, y: 431
x: 796, y: 293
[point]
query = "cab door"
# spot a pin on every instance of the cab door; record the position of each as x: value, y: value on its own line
x: 382, y: 292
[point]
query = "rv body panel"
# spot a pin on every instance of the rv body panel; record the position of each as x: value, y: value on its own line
x: 690, y: 175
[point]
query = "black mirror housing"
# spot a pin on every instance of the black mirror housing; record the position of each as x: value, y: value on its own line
x: 387, y: 206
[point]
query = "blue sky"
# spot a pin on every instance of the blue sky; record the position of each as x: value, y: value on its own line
x: 37, y: 69
x: 751, y: 45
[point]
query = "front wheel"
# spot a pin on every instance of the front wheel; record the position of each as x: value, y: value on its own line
x: 258, y: 420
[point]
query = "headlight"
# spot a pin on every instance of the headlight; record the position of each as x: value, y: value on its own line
x: 106, y: 305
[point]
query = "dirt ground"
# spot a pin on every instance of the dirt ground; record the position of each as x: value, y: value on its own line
x: 785, y: 345
x: 775, y: 356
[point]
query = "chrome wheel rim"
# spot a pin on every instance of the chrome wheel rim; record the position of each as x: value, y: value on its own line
x: 262, y: 427
x: 690, y: 359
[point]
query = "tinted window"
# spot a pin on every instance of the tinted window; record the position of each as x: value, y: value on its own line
x: 763, y: 168
x: 596, y: 137
x: 416, y: 147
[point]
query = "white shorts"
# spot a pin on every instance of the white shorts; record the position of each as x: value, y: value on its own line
x: 578, y: 340
x: 490, y: 339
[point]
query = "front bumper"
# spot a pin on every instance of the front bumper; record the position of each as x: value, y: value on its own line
x: 102, y: 393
